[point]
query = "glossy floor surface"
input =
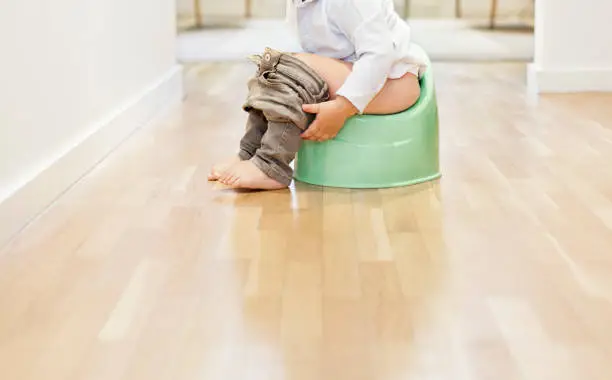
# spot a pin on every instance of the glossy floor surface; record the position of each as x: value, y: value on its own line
x: 502, y: 270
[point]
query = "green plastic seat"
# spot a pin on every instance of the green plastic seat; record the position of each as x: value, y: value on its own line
x: 378, y: 151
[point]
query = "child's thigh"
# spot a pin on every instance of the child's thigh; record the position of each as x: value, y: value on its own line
x: 333, y: 71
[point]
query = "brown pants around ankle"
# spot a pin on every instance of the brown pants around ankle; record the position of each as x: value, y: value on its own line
x: 276, y: 120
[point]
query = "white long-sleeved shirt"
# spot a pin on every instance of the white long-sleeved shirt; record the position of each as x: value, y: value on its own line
x: 368, y: 33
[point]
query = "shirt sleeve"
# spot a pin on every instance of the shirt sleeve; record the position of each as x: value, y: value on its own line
x: 363, y: 23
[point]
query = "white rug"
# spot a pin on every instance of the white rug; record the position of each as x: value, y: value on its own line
x: 443, y: 40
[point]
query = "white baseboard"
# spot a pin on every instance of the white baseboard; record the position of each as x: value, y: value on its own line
x: 32, y: 198
x: 569, y: 80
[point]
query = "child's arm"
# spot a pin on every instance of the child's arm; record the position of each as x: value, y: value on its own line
x: 363, y: 22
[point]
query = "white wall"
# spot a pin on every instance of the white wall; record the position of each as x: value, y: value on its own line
x: 75, y: 74
x: 573, y: 46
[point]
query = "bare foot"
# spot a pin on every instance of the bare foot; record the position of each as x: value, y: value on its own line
x: 217, y: 171
x: 245, y: 175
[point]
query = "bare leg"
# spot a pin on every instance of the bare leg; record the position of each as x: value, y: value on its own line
x: 397, y: 94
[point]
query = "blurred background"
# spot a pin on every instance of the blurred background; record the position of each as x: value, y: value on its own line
x: 449, y: 30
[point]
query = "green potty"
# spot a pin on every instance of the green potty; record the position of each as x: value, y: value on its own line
x: 378, y: 151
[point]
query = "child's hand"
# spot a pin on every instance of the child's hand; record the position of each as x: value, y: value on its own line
x: 330, y: 118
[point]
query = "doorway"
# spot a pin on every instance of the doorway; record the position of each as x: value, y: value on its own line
x: 449, y: 30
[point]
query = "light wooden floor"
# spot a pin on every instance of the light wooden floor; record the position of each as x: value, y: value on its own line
x: 501, y: 271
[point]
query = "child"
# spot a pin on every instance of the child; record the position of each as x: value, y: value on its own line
x: 359, y: 61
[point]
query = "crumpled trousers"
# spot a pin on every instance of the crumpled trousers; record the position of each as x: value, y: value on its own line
x: 282, y: 84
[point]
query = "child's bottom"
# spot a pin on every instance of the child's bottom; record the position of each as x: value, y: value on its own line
x: 396, y: 95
